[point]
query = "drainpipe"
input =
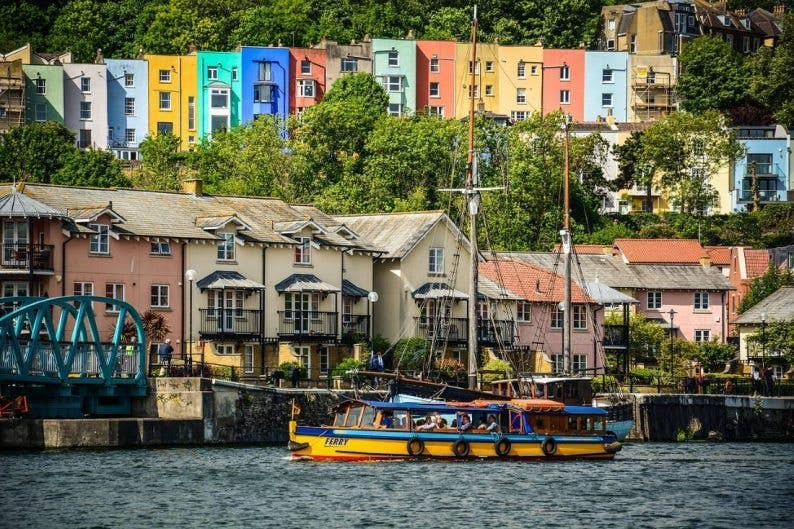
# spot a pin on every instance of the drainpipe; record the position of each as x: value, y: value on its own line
x: 724, y: 316
x: 262, y: 294
x: 182, y: 319
x: 63, y: 265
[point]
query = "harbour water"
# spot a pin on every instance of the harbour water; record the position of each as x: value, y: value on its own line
x: 648, y: 485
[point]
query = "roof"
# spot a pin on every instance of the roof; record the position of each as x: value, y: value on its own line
x: 667, y: 251
x: 227, y: 279
x: 397, y: 233
x: 438, y: 291
x: 720, y: 255
x: 757, y: 262
x: 351, y: 289
x: 304, y: 283
x: 530, y: 282
x: 607, y: 295
x: 778, y: 306
x: 492, y: 290
x: 16, y: 204
x: 595, y: 249
x: 612, y: 271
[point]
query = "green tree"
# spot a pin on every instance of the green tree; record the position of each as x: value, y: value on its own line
x: 714, y: 355
x: 35, y: 152
x: 27, y: 21
x: 161, y: 163
x: 777, y: 339
x: 772, y: 83
x: 360, y: 88
x: 448, y: 23
x: 284, y: 21
x: 91, y: 168
x: 645, y: 336
x: 765, y: 285
x: 713, y: 75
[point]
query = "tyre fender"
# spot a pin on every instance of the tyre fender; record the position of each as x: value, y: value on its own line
x: 502, y: 446
x: 549, y: 446
x: 415, y: 447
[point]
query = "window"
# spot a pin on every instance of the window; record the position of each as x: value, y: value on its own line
x: 521, y: 70
x: 610, y: 44
x: 533, y: 70
x: 559, y: 363
x: 431, y: 110
x: 729, y: 39
x: 84, y: 139
x: 85, y: 109
x: 524, y: 311
x: 323, y: 360
x: 745, y: 44
x: 85, y: 84
x: 224, y: 349
x: 306, y: 67
x: 303, y: 252
x: 393, y: 83
x: 160, y: 295
x: 606, y: 100
x: 434, y: 65
x: 226, y: 247
x: 248, y: 359
x: 100, y: 241
x: 115, y: 291
x: 161, y: 248
x: 263, y: 93
x: 41, y: 87
x: 300, y: 305
x: 129, y: 106
x: 633, y: 44
x: 521, y: 96
x: 489, y: 66
x: 565, y: 97
x: 434, y: 90
x: 83, y: 288
x: 519, y: 115
x: 304, y: 356
x: 212, y: 73
x: 606, y: 75
x: 489, y: 90
x: 349, y: 65
x: 611, y: 24
x: 305, y: 88
x: 395, y: 109
x: 219, y: 98
x: 111, y: 133
x: 760, y: 163
x: 165, y: 100
x: 165, y: 76
x: 565, y: 73
x: 701, y: 300
x: 219, y: 123
x: 476, y: 68
x: 579, y: 317
x: 234, y: 73
x: 557, y: 317
x: 129, y: 135
x: 41, y: 112
x: 347, y: 308
x: 435, y: 263
x: 165, y: 127
x: 579, y: 363
x: 394, y: 59
x: 654, y: 300
x: 191, y: 113
x: 702, y: 335
x: 691, y: 20
x: 129, y: 80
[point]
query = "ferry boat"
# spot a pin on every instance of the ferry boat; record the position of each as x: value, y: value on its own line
x: 533, y: 429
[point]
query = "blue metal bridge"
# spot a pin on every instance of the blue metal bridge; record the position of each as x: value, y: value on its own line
x: 52, y: 351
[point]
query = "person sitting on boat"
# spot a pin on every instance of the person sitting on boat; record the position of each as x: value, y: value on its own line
x: 431, y: 423
x: 483, y: 425
x: 464, y: 423
x: 493, y: 424
x: 442, y: 423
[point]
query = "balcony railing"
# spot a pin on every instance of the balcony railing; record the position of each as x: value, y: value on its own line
x: 496, y: 332
x: 307, y: 324
x: 442, y: 329
x: 355, y: 328
x: 764, y: 195
x: 229, y: 322
x: 27, y: 256
x: 615, y: 336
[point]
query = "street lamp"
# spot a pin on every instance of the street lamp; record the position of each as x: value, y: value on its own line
x: 672, y: 346
x: 190, y: 275
x: 372, y: 297
x: 763, y: 341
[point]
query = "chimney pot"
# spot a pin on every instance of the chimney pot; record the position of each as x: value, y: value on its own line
x: 192, y: 186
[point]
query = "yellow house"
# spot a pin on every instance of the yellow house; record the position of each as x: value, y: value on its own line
x: 486, y: 88
x: 520, y: 81
x: 173, y: 96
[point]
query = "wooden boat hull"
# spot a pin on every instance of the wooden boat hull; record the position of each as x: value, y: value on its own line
x: 328, y: 443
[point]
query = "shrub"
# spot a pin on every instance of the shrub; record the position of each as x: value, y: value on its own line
x: 288, y: 367
x: 607, y: 383
x: 645, y: 375
x: 347, y: 364
x: 410, y: 354
x: 495, y: 364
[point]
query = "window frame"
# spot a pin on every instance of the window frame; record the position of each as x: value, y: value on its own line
x: 610, y: 104
x: 220, y: 93
x: 212, y: 73
x: 607, y: 75
x: 303, y: 251
x: 305, y: 87
x: 701, y: 301
x: 39, y: 117
x: 524, y: 312
x: 579, y: 317
x: 393, y: 59
x: 129, y: 106
x: 348, y: 65
x: 435, y: 65
x: 521, y: 96
x: 164, y: 100
x: 701, y: 335
x: 85, y: 84
x: 98, y: 240
x: 565, y: 97
x: 111, y: 291
x: 41, y: 86
x: 156, y: 248
x: 306, y: 67
x: 521, y: 70
x: 434, y: 89
x: 86, y: 112
x: 129, y: 80
x: 82, y: 290
x: 164, y: 76
x: 657, y: 296
x: 565, y: 73
x: 160, y: 291
x: 225, y: 250
x: 435, y: 261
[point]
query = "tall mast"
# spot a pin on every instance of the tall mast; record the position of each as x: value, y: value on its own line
x: 473, y: 196
x: 565, y: 235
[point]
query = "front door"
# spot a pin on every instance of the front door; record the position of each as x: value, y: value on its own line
x: 15, y: 243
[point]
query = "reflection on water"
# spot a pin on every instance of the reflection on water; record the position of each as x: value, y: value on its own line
x: 648, y: 485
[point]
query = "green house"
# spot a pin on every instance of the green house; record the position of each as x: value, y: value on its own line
x: 219, y: 91
x: 43, y: 92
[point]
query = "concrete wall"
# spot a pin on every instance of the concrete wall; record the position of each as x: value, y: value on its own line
x: 334, y: 53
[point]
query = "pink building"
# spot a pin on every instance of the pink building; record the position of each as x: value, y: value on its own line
x: 307, y: 75
x: 435, y: 77
x: 563, y: 82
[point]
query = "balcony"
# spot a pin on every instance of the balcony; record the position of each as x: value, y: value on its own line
x: 764, y: 195
x: 615, y: 337
x: 307, y: 325
x: 355, y: 328
x: 27, y: 257
x: 225, y: 323
x: 450, y: 330
x: 496, y: 332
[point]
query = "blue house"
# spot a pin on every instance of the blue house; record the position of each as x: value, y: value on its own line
x: 765, y: 164
x: 128, y: 106
x: 605, y: 85
x: 266, y: 82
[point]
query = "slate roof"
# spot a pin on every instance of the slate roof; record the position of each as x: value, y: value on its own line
x: 20, y: 205
x: 606, y: 295
x: 668, y: 251
x: 304, y: 283
x: 228, y: 279
x: 778, y: 306
x: 594, y: 249
x: 612, y: 271
x: 438, y: 290
x: 351, y: 289
x: 532, y: 283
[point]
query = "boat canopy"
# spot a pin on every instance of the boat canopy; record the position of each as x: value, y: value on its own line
x: 584, y: 410
x: 530, y: 405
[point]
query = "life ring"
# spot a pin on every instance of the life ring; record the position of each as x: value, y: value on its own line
x: 502, y: 446
x: 461, y: 448
x: 416, y: 447
x: 549, y: 446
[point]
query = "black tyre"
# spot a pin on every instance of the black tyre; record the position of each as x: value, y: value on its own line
x: 461, y: 448
x: 549, y: 446
x: 416, y: 447
x: 502, y: 446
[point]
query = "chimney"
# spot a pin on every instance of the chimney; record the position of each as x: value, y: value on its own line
x: 191, y: 48
x: 192, y: 186
x: 740, y: 12
x: 99, y: 59
x: 367, y: 38
x: 705, y: 261
x: 410, y: 34
x: 322, y: 44
x: 21, y: 187
x: 779, y: 10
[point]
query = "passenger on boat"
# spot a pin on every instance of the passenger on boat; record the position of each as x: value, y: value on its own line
x: 493, y: 424
x: 465, y: 422
x: 387, y: 421
x: 431, y: 423
x: 442, y: 423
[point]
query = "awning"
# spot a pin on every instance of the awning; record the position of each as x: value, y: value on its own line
x: 305, y: 283
x: 227, y: 279
x: 353, y: 290
x: 438, y: 291
x: 607, y: 295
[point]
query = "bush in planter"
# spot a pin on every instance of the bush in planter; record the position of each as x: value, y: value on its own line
x: 645, y: 375
x: 347, y: 364
x: 601, y: 383
x: 450, y: 370
x: 288, y: 367
x: 496, y: 364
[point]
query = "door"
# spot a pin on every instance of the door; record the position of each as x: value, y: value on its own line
x: 15, y: 244
x: 229, y: 307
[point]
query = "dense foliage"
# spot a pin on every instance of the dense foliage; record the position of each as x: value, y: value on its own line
x: 777, y: 339
x: 765, y: 285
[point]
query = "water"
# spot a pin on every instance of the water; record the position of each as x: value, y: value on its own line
x: 648, y: 485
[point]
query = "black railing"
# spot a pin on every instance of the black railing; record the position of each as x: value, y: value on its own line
x: 307, y: 324
x: 493, y: 332
x: 615, y: 336
x: 445, y: 329
x: 355, y: 328
x: 764, y: 195
x: 226, y: 322
x: 27, y: 256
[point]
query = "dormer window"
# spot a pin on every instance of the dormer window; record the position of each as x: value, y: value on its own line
x: 100, y: 241
x: 303, y: 252
x: 226, y: 247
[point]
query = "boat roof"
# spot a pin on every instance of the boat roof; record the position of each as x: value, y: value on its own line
x: 531, y: 405
x: 544, y: 379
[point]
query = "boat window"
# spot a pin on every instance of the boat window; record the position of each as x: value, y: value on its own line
x: 399, y: 420
x: 572, y: 423
x: 599, y: 423
x: 516, y: 421
x: 540, y: 423
x: 586, y: 423
x: 340, y: 417
x: 353, y: 416
x: 368, y: 418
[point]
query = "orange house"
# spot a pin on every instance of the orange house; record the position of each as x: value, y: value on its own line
x: 435, y: 77
x: 307, y: 73
x: 563, y: 82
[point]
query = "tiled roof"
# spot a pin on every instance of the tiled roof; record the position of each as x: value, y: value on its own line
x: 660, y: 251
x: 778, y: 306
x: 489, y: 289
x: 757, y: 262
x: 530, y: 282
x: 765, y: 22
x: 720, y: 255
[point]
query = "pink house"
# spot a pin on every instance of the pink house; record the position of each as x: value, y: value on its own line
x: 563, y: 82
x: 435, y: 77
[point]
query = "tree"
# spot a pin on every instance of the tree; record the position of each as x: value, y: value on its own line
x: 645, y: 336
x: 91, y: 168
x: 765, y: 285
x: 35, y: 152
x: 772, y: 82
x: 713, y: 75
x: 777, y: 339
x: 27, y: 22
x: 284, y: 21
x: 361, y: 88
x: 714, y: 355
x: 449, y: 23
x: 161, y: 163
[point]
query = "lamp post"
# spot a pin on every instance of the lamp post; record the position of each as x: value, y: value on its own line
x: 672, y: 345
x: 190, y: 275
x: 372, y: 297
x: 763, y: 341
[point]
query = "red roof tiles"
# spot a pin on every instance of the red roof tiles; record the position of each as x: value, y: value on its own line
x: 531, y: 282
x: 720, y: 255
x: 757, y: 262
x: 661, y: 251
